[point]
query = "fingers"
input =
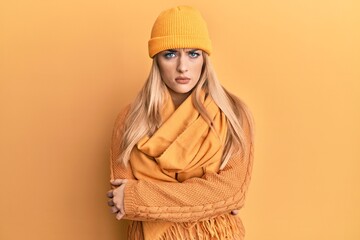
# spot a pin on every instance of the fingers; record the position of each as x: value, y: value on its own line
x: 114, y: 209
x: 116, y: 195
x: 119, y: 190
x: 119, y: 200
x: 110, y: 194
x: 111, y: 203
x: 118, y: 182
x: 119, y: 215
x: 234, y: 212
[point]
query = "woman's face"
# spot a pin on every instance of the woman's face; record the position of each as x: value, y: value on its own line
x: 180, y: 69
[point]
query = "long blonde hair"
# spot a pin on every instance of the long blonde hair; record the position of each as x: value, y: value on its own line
x: 144, y: 113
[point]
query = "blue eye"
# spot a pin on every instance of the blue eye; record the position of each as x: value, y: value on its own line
x: 169, y: 55
x: 194, y: 54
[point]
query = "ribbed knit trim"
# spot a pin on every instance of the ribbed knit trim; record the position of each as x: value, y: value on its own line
x: 159, y: 44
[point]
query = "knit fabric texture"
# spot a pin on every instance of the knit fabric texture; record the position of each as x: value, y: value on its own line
x: 184, y: 146
x: 179, y: 27
x: 197, y: 208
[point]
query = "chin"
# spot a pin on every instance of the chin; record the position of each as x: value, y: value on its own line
x: 184, y: 91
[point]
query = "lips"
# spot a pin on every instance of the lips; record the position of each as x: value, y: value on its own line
x: 182, y: 80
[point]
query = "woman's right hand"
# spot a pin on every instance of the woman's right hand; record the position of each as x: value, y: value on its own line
x: 116, y: 197
x: 234, y: 212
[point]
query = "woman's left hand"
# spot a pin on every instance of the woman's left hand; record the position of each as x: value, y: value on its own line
x: 116, y: 197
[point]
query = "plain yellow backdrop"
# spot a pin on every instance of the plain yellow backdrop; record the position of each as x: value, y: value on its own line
x: 68, y: 67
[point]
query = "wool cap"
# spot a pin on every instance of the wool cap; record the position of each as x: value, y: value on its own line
x: 179, y: 27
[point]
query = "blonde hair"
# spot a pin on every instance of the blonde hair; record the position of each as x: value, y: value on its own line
x: 144, y: 114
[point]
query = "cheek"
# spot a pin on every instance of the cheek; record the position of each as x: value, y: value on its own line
x: 166, y: 74
x: 198, y: 68
x: 166, y: 69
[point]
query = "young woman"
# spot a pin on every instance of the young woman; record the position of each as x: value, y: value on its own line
x: 182, y: 152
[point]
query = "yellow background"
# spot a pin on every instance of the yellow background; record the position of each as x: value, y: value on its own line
x: 68, y: 67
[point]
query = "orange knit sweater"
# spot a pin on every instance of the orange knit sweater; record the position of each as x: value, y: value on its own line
x: 193, y: 200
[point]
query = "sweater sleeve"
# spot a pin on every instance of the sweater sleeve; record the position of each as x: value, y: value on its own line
x: 194, y: 199
x: 117, y: 169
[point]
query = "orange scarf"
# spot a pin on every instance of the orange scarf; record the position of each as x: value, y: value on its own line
x: 183, y: 147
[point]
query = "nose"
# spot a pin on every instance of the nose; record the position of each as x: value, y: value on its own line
x: 182, y: 65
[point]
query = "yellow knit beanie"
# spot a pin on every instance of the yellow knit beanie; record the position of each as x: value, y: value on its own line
x: 179, y: 27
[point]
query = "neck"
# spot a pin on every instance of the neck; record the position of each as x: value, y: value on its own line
x: 178, y: 98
